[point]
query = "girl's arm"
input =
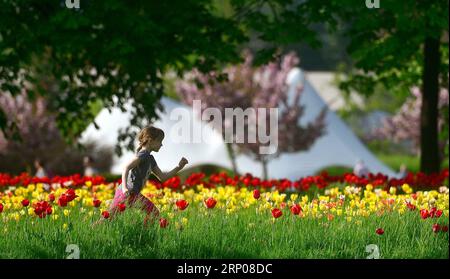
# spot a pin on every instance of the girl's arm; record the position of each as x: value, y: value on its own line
x: 163, y: 176
x: 133, y: 163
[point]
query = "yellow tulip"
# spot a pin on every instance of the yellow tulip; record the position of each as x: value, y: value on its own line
x: 16, y: 216
x: 392, y: 190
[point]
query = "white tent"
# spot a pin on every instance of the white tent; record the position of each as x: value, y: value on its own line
x: 338, y: 147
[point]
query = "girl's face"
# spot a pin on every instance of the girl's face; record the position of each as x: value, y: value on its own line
x: 154, y: 145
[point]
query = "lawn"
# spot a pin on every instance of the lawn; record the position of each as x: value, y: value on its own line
x: 243, y: 235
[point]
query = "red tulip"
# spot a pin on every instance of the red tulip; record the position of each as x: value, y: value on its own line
x: 70, y: 194
x: 97, y: 203
x: 256, y: 194
x: 445, y: 228
x: 433, y: 212
x: 163, y: 222
x: 296, y: 209
x: 121, y: 207
x: 379, y: 231
x: 438, y: 213
x: 1, y: 208
x: 210, y: 203
x: 182, y: 204
x: 49, y: 211
x: 62, y: 200
x: 411, y: 206
x: 25, y: 202
x: 424, y: 213
x: 105, y: 214
x: 51, y: 197
x: 255, y: 181
x: 436, y: 228
x: 39, y: 210
x: 276, y: 213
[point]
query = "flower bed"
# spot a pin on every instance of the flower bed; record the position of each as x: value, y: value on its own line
x: 415, y: 180
x: 227, y: 216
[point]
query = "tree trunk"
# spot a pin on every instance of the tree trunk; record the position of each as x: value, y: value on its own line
x: 264, y: 165
x: 232, y: 157
x: 429, y: 147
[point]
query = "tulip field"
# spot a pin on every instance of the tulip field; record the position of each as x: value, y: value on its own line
x: 228, y: 217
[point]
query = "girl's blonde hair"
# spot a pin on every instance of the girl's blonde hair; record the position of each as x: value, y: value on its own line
x: 147, y: 134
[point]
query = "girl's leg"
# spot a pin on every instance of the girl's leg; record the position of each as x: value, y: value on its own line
x: 146, y: 205
x: 119, y: 197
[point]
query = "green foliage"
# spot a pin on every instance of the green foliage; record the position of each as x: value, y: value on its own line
x: 132, y: 45
x: 111, y: 51
x: 380, y: 98
x: 169, y: 86
x: 386, y: 43
x: 388, y: 48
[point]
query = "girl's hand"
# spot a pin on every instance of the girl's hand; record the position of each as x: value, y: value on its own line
x: 182, y: 162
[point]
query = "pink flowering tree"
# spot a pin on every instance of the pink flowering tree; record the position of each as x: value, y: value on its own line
x: 36, y: 136
x: 245, y: 87
x: 405, y: 124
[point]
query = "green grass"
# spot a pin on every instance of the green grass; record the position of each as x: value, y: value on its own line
x: 218, y: 235
x: 394, y: 161
x: 336, y: 170
x: 412, y: 162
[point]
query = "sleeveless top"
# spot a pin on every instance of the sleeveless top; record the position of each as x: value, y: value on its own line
x: 138, y: 175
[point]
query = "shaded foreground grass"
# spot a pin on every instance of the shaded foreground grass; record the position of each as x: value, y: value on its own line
x: 214, y: 234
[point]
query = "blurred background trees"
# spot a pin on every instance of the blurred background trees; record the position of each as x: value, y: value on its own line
x: 41, y: 139
x: 252, y: 87
x: 112, y: 52
x: 109, y: 52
